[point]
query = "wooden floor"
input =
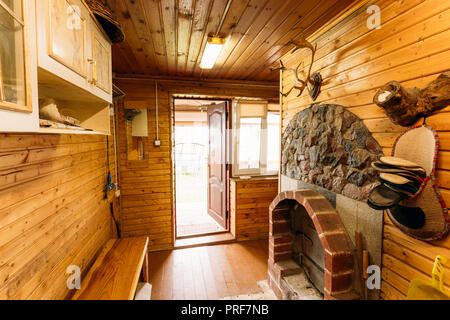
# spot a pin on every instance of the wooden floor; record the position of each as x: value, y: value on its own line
x: 210, y: 272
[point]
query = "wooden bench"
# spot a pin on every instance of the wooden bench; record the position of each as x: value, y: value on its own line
x: 115, y: 273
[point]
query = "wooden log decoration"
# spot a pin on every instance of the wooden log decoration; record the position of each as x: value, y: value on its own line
x: 404, y: 106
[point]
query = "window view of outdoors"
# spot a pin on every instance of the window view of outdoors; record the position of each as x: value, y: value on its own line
x: 273, y: 141
x: 250, y: 143
x: 252, y: 139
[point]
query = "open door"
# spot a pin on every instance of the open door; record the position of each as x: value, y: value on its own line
x: 217, y: 169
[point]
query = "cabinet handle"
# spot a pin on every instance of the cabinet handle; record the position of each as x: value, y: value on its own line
x: 93, y: 63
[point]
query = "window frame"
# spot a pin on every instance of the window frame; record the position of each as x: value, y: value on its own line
x: 236, y: 117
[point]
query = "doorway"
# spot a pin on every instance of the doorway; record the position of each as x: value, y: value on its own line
x: 200, y: 171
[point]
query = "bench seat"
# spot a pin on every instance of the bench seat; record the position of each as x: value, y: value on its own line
x: 116, y: 271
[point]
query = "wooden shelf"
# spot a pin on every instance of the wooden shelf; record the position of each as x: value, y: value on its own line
x: 50, y: 85
x: 69, y: 131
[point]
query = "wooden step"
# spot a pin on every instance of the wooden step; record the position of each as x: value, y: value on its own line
x: 204, y: 241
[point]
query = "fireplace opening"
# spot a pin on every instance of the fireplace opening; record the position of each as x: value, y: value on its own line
x: 307, y: 251
x: 311, y: 256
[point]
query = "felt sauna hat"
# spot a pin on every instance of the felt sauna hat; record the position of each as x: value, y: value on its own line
x: 420, y: 145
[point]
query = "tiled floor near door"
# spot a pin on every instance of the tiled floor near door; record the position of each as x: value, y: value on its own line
x: 193, y: 219
x: 210, y: 272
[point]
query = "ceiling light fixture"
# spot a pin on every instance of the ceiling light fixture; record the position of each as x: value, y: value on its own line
x: 213, y: 47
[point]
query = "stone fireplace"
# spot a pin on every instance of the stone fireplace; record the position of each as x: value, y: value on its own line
x: 310, y: 253
x: 326, y: 177
x: 328, y: 146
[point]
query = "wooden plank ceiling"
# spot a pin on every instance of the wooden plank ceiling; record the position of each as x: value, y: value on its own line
x: 167, y: 37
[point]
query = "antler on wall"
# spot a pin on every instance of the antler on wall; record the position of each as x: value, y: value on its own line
x: 313, y: 81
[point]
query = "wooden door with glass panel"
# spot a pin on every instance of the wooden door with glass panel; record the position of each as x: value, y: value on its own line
x: 15, y: 84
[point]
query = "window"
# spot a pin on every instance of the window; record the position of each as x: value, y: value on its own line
x: 250, y: 143
x: 256, y: 138
x: 273, y: 141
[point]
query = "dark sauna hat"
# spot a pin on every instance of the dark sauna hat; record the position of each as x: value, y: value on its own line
x: 106, y: 19
x: 420, y: 145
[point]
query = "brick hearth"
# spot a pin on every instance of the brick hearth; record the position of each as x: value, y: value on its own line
x: 338, y: 258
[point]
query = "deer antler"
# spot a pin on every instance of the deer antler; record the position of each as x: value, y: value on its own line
x: 300, y: 84
x: 301, y: 45
x: 281, y: 67
x: 294, y: 71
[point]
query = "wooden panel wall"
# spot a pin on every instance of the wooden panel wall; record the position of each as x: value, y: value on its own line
x: 413, y: 47
x: 147, y: 190
x: 52, y: 211
x: 146, y: 205
x: 249, y: 204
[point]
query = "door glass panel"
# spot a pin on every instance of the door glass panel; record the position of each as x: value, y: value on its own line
x: 273, y: 141
x: 216, y: 147
x: 12, y: 60
x: 250, y: 143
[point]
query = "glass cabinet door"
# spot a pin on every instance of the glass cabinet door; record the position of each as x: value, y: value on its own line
x: 67, y: 35
x: 13, y: 59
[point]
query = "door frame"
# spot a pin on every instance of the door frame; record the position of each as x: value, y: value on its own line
x: 228, y: 141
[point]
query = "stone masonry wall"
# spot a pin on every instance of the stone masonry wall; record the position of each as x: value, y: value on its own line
x: 329, y: 146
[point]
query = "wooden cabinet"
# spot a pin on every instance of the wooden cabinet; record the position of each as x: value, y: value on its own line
x: 72, y: 51
x: 53, y: 50
x: 249, y: 203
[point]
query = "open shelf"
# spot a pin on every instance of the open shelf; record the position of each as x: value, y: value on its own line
x: 69, y: 131
x: 73, y: 101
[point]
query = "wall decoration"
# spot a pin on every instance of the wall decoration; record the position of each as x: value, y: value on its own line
x: 404, y: 106
x: 312, y: 81
x: 423, y: 214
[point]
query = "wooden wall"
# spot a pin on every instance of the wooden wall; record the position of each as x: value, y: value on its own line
x: 249, y: 207
x: 147, y: 190
x: 146, y: 205
x: 413, y: 47
x: 52, y: 211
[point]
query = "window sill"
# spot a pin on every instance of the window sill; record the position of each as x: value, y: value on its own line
x: 259, y: 177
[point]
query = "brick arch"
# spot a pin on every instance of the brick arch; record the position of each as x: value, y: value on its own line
x: 339, y: 260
